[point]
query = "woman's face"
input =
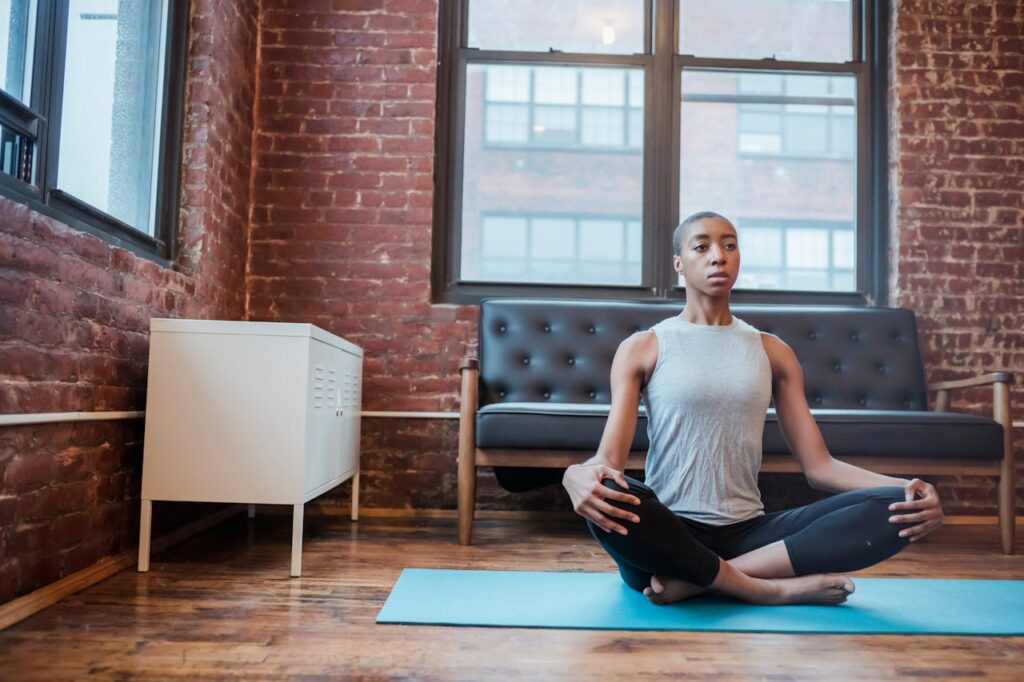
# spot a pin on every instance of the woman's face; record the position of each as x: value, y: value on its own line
x: 710, y: 257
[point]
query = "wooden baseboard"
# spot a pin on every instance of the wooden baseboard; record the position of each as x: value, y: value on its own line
x: 22, y: 607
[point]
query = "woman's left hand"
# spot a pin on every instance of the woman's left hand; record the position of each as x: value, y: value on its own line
x: 927, y: 509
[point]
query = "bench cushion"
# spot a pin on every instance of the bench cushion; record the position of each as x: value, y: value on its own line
x: 881, y: 433
x: 555, y: 352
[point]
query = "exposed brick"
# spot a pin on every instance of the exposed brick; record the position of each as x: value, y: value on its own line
x: 74, y: 319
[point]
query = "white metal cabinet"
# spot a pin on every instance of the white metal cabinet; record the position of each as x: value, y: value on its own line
x: 250, y: 412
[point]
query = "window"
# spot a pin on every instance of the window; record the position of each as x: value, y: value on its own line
x: 812, y: 116
x: 573, y: 136
x: 796, y: 255
x: 562, y: 107
x: 90, y: 114
x: 556, y: 249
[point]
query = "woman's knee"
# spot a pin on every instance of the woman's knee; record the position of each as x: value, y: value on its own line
x: 646, y: 496
x: 635, y: 487
x: 877, y: 508
x: 887, y: 494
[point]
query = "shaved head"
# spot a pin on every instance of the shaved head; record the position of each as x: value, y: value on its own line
x: 679, y: 235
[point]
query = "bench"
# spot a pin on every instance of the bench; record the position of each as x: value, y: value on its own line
x: 536, y: 397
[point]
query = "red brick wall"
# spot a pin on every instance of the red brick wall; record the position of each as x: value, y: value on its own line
x: 74, y: 320
x: 957, y: 193
x: 341, y: 220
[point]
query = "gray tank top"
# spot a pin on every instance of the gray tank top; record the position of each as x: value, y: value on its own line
x: 706, y: 403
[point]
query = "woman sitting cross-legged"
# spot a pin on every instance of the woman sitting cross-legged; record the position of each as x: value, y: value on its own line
x: 697, y: 523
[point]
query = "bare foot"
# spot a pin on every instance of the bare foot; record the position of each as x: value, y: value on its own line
x: 670, y: 590
x: 822, y: 588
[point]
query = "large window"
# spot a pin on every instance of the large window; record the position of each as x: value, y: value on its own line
x: 573, y: 137
x: 90, y: 114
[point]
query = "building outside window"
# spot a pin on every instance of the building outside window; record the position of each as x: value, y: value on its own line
x: 642, y: 112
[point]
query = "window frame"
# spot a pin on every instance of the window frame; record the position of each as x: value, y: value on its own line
x: 44, y: 110
x: 662, y: 64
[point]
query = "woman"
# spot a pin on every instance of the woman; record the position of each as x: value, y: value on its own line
x: 698, y: 524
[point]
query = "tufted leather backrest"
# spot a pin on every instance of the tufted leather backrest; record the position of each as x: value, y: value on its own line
x: 561, y: 351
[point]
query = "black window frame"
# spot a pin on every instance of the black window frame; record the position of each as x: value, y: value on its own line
x: 662, y: 64
x: 42, y: 117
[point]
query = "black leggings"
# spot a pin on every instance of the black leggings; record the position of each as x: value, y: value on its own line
x: 845, y: 532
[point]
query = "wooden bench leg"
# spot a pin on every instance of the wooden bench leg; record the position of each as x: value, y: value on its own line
x: 1007, y: 474
x: 467, y: 450
x: 467, y: 494
x: 1007, y: 506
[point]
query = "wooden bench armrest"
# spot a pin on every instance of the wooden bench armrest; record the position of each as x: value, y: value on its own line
x: 983, y: 380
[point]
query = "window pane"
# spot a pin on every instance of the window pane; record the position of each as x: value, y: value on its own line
x: 507, y: 123
x: 112, y: 82
x: 604, y: 86
x: 555, y: 126
x: 807, y: 135
x: 796, y: 30
x: 636, y: 128
x: 595, y: 26
x: 553, y: 239
x: 504, y: 238
x: 508, y: 84
x: 17, y: 45
x: 556, y: 86
x: 601, y: 240
x: 843, y: 251
x: 602, y: 127
x: 771, y: 166
x: 634, y: 241
x: 807, y: 248
x: 560, y: 176
x: 636, y: 89
x: 760, y: 246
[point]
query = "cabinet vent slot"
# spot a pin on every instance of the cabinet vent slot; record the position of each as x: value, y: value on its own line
x: 318, y: 386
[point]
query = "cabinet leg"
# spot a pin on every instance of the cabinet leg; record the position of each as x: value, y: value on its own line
x: 297, y: 540
x: 355, y: 496
x: 252, y: 511
x: 145, y: 526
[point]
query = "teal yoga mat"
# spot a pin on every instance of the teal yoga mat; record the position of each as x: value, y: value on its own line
x: 602, y: 601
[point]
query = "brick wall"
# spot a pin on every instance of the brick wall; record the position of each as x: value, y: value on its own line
x: 341, y: 221
x: 957, y: 192
x: 74, y: 320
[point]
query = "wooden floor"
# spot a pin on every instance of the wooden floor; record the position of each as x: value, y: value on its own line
x: 222, y: 606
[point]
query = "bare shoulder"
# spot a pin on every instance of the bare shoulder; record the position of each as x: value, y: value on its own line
x: 638, y: 354
x: 780, y: 355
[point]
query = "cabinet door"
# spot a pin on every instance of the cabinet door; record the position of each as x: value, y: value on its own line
x: 322, y: 434
x: 351, y: 382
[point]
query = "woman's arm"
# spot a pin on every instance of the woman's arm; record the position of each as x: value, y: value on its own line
x: 824, y: 472
x: 584, y: 481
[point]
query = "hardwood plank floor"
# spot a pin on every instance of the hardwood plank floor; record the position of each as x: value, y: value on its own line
x: 221, y: 606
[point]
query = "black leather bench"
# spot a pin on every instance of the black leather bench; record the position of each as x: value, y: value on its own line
x: 537, y: 396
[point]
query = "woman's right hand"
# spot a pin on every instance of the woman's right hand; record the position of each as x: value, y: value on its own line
x: 589, y: 495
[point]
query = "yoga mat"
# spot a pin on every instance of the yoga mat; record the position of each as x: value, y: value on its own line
x: 602, y: 601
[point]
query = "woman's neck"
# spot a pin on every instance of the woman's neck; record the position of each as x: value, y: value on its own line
x: 712, y: 314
